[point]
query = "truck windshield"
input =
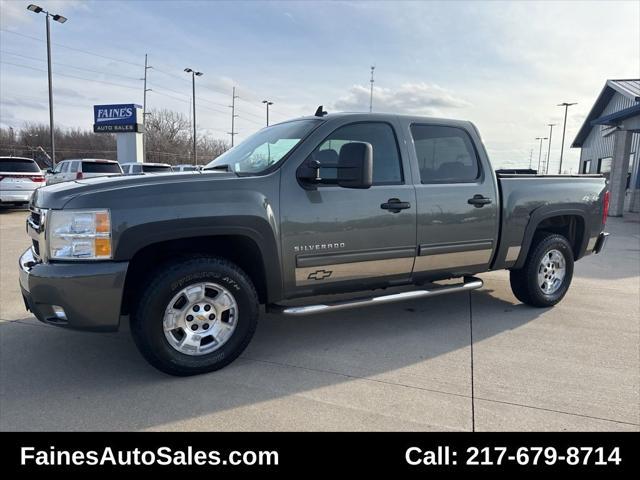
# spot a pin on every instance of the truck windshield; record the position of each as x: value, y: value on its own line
x: 264, y: 148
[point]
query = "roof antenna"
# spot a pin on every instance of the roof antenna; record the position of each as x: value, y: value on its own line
x: 320, y: 112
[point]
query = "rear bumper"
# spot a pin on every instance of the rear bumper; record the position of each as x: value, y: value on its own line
x: 15, y: 196
x: 88, y: 295
x: 601, y: 242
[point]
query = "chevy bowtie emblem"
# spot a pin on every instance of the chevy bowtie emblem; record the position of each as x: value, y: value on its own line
x: 319, y: 275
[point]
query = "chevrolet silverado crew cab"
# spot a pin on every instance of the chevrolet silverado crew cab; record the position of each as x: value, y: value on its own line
x: 319, y: 205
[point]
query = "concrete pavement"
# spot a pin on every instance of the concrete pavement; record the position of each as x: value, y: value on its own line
x: 404, y: 366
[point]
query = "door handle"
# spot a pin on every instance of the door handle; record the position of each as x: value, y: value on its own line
x: 479, y: 201
x: 394, y: 205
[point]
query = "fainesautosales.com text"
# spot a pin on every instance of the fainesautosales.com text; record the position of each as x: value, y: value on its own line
x: 141, y: 457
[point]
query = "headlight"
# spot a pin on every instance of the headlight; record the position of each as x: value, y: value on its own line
x: 80, y: 234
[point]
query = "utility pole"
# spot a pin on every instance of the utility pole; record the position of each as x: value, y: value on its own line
x: 373, y: 67
x: 551, y: 125
x: 144, y: 111
x: 194, y: 74
x: 540, y: 151
x: 60, y: 19
x: 233, y: 114
x: 530, y: 158
x: 267, y: 103
x: 566, y: 107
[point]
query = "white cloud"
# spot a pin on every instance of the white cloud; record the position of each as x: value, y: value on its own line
x: 410, y: 98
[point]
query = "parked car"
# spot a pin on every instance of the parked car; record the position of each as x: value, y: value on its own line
x: 186, y: 168
x: 319, y: 205
x: 76, y: 169
x: 143, y: 168
x: 19, y: 177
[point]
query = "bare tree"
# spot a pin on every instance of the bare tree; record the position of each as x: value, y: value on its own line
x: 168, y: 141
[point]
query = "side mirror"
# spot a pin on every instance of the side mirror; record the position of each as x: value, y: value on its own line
x: 49, y: 171
x: 355, y: 165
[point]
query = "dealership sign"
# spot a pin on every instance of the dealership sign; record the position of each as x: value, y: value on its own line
x: 117, y: 118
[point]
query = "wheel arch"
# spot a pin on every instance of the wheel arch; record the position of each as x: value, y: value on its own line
x: 572, y: 223
x: 258, y: 259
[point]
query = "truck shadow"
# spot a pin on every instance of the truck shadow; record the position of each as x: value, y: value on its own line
x: 62, y: 380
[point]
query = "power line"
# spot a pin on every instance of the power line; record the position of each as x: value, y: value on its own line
x: 67, y: 65
x: 69, y: 76
x: 37, y: 99
x: 187, y: 100
x: 73, y: 48
x: 87, y: 52
x: 250, y: 120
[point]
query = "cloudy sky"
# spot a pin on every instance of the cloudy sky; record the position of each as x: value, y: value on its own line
x: 503, y: 65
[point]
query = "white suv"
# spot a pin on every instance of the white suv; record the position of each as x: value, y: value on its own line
x: 19, y: 178
x: 146, y: 167
x: 76, y: 169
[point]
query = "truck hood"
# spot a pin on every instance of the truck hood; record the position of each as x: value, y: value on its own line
x: 58, y: 195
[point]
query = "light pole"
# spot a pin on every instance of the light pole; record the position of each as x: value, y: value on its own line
x: 566, y: 107
x: 373, y: 67
x: 144, y: 109
x: 540, y: 151
x: 194, y: 74
x: 60, y: 19
x: 551, y: 125
x: 267, y: 103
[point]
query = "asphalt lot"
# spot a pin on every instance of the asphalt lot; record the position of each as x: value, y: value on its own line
x: 404, y: 366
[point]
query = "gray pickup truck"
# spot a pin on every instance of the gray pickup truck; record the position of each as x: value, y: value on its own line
x: 318, y: 205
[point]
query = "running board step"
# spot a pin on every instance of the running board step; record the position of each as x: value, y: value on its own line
x: 470, y: 283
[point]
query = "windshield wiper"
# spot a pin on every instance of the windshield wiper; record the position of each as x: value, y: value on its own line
x: 225, y: 167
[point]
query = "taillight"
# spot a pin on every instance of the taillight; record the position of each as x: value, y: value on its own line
x: 37, y: 178
x: 605, y: 206
x: 79, y: 176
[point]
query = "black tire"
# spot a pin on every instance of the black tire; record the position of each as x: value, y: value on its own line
x: 524, y: 281
x: 147, y: 318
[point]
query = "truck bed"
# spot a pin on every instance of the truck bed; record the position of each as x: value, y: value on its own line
x: 524, y: 197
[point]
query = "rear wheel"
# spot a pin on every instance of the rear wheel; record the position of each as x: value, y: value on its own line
x: 195, y: 316
x: 547, y: 273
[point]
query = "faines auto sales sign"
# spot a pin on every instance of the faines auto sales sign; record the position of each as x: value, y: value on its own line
x: 117, y: 118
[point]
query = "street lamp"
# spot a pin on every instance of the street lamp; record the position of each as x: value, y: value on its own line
x: 194, y: 74
x: 60, y: 19
x: 540, y: 151
x: 566, y: 107
x: 550, y: 125
x: 267, y: 103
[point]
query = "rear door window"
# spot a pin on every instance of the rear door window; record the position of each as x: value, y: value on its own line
x: 156, y: 168
x: 100, y: 167
x: 445, y: 154
x: 18, y: 165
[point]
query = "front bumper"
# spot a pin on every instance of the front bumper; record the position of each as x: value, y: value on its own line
x: 89, y: 294
x: 601, y: 242
x: 15, y: 196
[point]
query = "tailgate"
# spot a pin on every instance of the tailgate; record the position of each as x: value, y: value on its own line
x: 26, y: 181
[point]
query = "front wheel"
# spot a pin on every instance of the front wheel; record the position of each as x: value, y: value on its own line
x: 547, y: 273
x: 197, y: 315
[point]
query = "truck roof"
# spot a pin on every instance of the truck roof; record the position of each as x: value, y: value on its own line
x: 92, y: 160
x: 381, y: 117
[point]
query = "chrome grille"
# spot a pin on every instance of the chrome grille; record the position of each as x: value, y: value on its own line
x: 35, y: 218
x: 35, y: 229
